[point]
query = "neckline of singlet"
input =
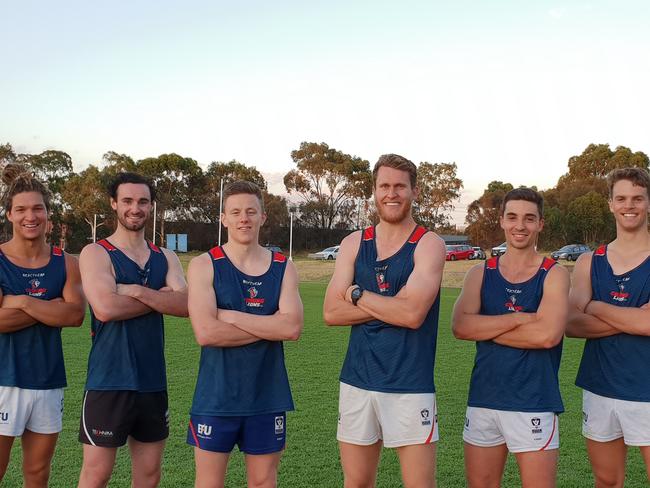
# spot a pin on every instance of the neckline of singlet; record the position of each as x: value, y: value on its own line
x: 624, y: 274
x: 521, y: 283
x: 273, y: 253
x: 407, y: 241
x: 147, y: 262
x: 30, y: 270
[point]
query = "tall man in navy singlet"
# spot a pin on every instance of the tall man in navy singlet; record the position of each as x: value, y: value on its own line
x: 40, y: 292
x: 130, y: 283
x: 515, y: 307
x: 386, y: 286
x: 610, y: 307
x: 243, y: 303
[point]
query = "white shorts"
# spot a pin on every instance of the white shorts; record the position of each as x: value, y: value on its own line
x: 606, y: 419
x: 39, y: 411
x: 520, y: 431
x: 399, y: 419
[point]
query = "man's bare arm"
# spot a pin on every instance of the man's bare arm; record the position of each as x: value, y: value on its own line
x: 12, y: 319
x: 336, y: 310
x: 547, y: 330
x: 100, y: 288
x: 67, y: 312
x: 209, y: 330
x: 631, y: 320
x: 580, y: 323
x: 466, y: 321
x: 172, y: 300
x: 410, y: 305
x: 284, y: 325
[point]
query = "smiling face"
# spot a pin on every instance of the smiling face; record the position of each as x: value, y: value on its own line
x: 521, y: 223
x: 28, y: 214
x: 629, y: 204
x: 393, y: 195
x: 243, y: 217
x: 132, y: 206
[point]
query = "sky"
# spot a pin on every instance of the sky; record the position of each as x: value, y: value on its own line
x: 508, y: 90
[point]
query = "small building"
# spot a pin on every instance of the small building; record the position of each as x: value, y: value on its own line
x: 452, y: 240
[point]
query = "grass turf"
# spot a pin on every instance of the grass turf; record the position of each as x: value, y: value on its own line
x: 311, y: 458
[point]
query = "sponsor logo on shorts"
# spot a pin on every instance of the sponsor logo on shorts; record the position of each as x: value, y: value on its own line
x: 536, y: 423
x: 426, y: 416
x: 102, y: 433
x: 204, y: 431
x: 279, y: 425
x: 467, y: 422
x: 4, y: 417
x: 585, y: 416
x: 167, y: 418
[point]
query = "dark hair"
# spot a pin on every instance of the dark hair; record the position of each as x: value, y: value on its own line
x: 526, y: 194
x: 638, y: 177
x: 126, y: 177
x: 241, y: 186
x: 20, y: 180
x: 398, y: 162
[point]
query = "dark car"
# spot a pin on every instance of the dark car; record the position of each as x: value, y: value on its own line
x: 460, y: 251
x: 570, y: 252
x: 499, y: 250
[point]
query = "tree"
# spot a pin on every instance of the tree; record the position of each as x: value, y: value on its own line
x: 483, y: 215
x: 328, y: 181
x: 7, y: 154
x: 590, y: 218
x: 439, y: 187
x: 598, y: 160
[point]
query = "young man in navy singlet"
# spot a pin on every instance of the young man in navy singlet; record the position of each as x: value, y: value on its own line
x: 609, y: 306
x: 130, y: 283
x: 243, y: 302
x: 515, y: 307
x: 40, y: 292
x: 386, y: 286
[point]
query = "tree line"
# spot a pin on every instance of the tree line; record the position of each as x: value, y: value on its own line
x: 576, y: 209
x: 331, y: 189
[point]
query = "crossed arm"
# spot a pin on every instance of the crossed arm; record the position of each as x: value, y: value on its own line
x: 407, y: 308
x: 593, y: 319
x: 21, y: 311
x: 230, y: 328
x: 111, y: 301
x: 540, y: 330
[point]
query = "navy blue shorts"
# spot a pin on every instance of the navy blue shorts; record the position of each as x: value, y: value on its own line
x: 254, y: 434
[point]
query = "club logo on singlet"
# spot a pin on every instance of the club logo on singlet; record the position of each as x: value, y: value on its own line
x: 537, y: 425
x: 380, y: 275
x: 279, y: 425
x: 252, y: 300
x: 621, y: 295
x: 426, y: 416
x: 4, y: 417
x: 35, y: 289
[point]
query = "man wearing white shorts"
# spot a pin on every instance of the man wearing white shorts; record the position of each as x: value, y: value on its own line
x: 40, y: 292
x: 515, y: 308
x: 386, y: 286
x: 609, y: 307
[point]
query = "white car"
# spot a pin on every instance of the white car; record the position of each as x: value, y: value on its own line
x: 329, y: 253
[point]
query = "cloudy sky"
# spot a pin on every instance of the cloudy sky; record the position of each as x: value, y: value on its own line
x: 508, y: 90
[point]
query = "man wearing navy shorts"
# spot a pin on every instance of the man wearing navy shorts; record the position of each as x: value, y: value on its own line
x: 610, y: 307
x: 386, y: 286
x: 515, y: 307
x: 130, y: 283
x: 243, y: 302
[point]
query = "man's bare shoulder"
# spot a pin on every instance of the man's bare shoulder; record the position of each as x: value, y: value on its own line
x: 93, y: 251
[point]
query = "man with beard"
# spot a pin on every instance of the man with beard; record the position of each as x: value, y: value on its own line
x: 515, y: 307
x: 386, y: 286
x: 610, y: 307
x: 130, y: 283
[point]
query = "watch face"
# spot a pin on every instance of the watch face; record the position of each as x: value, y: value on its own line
x: 356, y: 294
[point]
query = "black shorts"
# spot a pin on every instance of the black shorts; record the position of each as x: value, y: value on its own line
x: 108, y: 418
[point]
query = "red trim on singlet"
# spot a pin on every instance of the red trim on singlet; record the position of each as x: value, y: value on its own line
x: 279, y: 258
x: 196, y: 439
x: 369, y: 234
x: 600, y: 251
x: 547, y: 264
x: 217, y: 253
x: 106, y: 245
x: 57, y: 251
x: 153, y: 247
x: 552, y: 432
x: 417, y: 234
x: 492, y: 263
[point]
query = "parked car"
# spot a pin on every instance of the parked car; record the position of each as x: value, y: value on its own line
x: 273, y: 248
x: 329, y: 253
x: 459, y: 251
x: 478, y: 253
x: 570, y: 252
x: 499, y: 250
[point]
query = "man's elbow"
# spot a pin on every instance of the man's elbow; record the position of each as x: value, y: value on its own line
x: 78, y: 319
x: 203, y: 339
x: 294, y: 332
x: 458, y: 331
x: 551, y: 340
x: 329, y: 317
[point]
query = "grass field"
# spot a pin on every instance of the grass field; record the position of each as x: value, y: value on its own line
x: 311, y: 458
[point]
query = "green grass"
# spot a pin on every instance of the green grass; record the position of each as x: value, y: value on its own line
x: 311, y: 458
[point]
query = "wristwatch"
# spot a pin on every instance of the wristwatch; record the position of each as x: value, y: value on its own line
x: 356, y: 294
